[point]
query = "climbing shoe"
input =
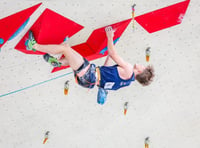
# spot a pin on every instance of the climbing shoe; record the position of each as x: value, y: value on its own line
x: 53, y: 61
x: 30, y: 42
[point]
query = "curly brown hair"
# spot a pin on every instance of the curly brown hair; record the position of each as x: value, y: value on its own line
x: 146, y: 77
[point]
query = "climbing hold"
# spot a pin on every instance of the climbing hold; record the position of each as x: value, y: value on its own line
x: 146, y: 142
x: 147, y: 54
x: 66, y: 87
x: 125, y: 108
x: 66, y: 39
x: 133, y: 14
x: 1, y: 41
x: 49, y: 28
x: 10, y: 24
x: 163, y: 18
x: 46, y: 137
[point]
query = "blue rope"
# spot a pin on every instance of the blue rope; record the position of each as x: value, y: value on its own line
x: 12, y: 92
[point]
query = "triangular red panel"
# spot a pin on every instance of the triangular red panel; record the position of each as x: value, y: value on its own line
x: 10, y: 24
x: 163, y: 18
x: 50, y: 28
x: 96, y: 42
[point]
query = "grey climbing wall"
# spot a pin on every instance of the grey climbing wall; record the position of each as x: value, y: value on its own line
x: 32, y: 100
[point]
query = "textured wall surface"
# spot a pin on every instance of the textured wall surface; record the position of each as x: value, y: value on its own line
x: 168, y: 111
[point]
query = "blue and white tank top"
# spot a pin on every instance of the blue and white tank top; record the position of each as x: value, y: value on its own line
x: 110, y: 79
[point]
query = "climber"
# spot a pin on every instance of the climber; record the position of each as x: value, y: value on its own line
x: 106, y: 77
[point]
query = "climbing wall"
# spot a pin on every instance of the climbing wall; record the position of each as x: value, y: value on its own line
x: 32, y: 100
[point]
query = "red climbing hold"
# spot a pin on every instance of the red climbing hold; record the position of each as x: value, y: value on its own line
x: 10, y: 24
x: 164, y: 17
x: 50, y: 28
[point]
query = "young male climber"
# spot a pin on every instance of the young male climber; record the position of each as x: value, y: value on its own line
x: 106, y: 77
